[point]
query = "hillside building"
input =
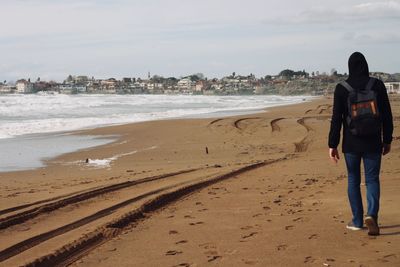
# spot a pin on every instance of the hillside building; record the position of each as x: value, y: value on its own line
x: 24, y: 87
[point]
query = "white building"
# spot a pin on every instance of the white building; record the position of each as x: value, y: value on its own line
x: 393, y: 87
x: 199, y: 86
x: 24, y: 87
x: 5, y: 89
x: 186, y: 85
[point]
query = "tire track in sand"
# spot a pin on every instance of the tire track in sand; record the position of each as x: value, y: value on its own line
x: 214, y: 121
x: 274, y: 125
x: 73, y: 251
x: 320, y: 109
x: 238, y: 121
x: 49, y: 207
x: 24, y: 206
x: 38, y: 239
x: 302, y: 146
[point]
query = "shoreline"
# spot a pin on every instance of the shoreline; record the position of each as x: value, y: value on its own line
x: 30, y: 152
x: 274, y: 191
x: 100, y: 140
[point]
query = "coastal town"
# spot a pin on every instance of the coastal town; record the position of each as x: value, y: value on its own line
x: 287, y: 82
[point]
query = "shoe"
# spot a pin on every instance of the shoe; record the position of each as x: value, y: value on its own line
x: 352, y: 227
x: 373, y: 228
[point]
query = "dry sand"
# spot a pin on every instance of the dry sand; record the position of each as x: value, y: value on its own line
x: 265, y: 194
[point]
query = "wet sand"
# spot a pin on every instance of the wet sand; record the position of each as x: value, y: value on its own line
x: 246, y: 190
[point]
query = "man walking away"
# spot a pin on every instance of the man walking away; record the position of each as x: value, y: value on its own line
x: 361, y: 105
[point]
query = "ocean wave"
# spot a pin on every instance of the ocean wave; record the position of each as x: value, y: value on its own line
x: 32, y: 114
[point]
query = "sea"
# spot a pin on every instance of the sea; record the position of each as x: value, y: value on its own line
x: 37, y: 127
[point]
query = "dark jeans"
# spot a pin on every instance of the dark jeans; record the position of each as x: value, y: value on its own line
x: 372, y: 166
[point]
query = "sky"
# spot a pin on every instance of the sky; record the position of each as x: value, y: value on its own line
x: 119, y: 38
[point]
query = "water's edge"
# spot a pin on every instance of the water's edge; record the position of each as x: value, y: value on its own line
x: 32, y: 151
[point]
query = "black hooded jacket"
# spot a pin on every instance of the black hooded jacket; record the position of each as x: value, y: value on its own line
x: 358, y: 79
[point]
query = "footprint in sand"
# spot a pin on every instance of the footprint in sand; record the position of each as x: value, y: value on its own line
x: 196, y: 223
x: 188, y: 217
x: 201, y: 210
x: 310, y: 181
x: 282, y: 247
x: 289, y: 227
x: 181, y: 242
x: 173, y: 232
x: 246, y: 227
x: 171, y: 210
x: 213, y: 258
x: 249, y: 235
x: 309, y: 259
x: 182, y: 265
x: 313, y: 236
x: 249, y: 262
x: 211, y: 253
x: 388, y: 258
x: 300, y: 219
x: 172, y: 252
x: 208, y: 246
x: 316, y: 203
x: 290, y: 211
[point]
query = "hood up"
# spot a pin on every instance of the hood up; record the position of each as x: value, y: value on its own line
x: 358, y: 71
x: 358, y: 66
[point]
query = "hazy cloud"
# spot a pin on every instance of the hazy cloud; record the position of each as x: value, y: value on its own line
x: 339, y: 14
x: 175, y: 37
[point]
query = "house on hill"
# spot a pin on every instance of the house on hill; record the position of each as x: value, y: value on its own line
x: 24, y: 87
x: 186, y: 85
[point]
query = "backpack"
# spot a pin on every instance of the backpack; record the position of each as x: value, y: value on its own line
x: 363, y: 117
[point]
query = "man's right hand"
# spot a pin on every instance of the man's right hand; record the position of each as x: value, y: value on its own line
x: 334, y: 154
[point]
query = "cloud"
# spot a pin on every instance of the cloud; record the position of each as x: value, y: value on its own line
x: 174, y: 37
x: 378, y: 38
x: 378, y: 9
x: 340, y: 14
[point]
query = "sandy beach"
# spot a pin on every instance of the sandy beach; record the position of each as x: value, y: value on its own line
x: 254, y: 190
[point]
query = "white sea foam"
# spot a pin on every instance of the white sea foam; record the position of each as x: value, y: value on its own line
x: 105, y: 162
x: 29, y: 114
x: 99, y: 163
